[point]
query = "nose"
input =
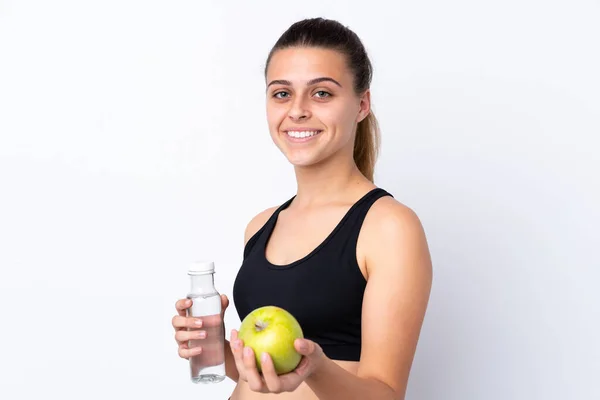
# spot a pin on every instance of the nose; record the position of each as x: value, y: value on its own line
x: 298, y: 110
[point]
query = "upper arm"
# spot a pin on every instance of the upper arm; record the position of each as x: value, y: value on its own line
x: 397, y: 293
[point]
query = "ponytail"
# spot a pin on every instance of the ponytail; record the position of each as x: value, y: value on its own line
x: 366, y: 146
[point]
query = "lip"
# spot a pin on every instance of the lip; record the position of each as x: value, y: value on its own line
x: 302, y: 130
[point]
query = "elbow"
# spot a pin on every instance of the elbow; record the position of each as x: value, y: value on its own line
x: 388, y: 392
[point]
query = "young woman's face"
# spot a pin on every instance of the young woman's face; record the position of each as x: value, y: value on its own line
x: 312, y: 109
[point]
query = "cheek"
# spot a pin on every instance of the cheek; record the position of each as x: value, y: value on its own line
x: 342, y: 117
x: 275, y: 116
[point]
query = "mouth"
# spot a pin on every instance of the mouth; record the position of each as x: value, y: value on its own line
x: 302, y: 135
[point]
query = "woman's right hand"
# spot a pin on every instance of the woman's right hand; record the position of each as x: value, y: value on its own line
x: 196, y: 328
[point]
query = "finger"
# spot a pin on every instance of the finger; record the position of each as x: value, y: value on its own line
x: 301, y: 371
x: 184, y: 336
x: 237, y: 346
x: 185, y: 352
x: 252, y: 376
x: 212, y: 321
x: 182, y: 305
x: 180, y: 322
x: 270, y: 377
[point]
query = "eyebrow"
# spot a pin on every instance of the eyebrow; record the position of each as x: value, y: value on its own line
x: 309, y: 83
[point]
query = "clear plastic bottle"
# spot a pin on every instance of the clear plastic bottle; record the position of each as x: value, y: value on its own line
x: 209, y: 365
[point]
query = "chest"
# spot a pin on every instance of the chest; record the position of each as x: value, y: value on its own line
x: 324, y: 293
x: 296, y: 236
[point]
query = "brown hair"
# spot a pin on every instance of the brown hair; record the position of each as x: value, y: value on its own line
x: 330, y: 34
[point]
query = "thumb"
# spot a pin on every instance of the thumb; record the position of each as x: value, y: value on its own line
x: 224, y: 302
x: 304, y: 346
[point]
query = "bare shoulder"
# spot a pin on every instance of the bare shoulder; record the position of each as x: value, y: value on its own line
x: 257, y: 222
x: 389, y: 213
x: 391, y: 226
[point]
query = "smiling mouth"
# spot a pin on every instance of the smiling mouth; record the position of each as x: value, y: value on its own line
x: 304, y: 134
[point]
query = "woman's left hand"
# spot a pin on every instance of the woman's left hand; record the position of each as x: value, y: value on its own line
x: 269, y: 381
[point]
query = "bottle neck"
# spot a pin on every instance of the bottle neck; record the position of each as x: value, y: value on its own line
x: 202, y: 284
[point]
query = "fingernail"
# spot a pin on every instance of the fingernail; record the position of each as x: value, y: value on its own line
x: 303, y: 346
x: 198, y: 322
x: 264, y: 357
x: 201, y: 334
x: 247, y: 351
x: 188, y: 302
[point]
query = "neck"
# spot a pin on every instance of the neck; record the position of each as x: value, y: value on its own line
x: 327, y: 181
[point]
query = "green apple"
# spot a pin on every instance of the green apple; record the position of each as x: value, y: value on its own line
x: 272, y: 330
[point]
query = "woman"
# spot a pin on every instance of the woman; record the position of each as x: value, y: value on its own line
x: 343, y: 256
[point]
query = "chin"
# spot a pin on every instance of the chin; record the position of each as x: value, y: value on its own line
x: 301, y: 162
x: 305, y: 160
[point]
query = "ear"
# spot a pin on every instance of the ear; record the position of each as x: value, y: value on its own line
x: 364, y: 106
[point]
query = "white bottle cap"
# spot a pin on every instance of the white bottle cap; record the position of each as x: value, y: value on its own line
x: 201, y: 268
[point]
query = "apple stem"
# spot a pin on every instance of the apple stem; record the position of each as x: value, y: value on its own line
x: 260, y: 326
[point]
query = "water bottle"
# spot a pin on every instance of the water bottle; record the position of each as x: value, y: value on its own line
x: 209, y: 365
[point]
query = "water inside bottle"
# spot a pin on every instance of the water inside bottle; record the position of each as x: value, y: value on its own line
x: 208, y: 366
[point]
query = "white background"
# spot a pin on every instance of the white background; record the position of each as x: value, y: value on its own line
x: 133, y: 140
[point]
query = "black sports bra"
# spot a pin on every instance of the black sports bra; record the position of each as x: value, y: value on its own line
x: 323, y: 290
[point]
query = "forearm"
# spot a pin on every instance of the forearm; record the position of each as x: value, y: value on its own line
x: 332, y: 382
x: 230, y: 368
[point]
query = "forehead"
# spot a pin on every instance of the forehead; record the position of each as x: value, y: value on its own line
x: 300, y: 64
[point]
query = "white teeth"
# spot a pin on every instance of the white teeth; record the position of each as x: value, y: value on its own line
x: 302, y: 134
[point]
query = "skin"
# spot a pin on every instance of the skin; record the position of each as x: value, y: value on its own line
x: 392, y: 246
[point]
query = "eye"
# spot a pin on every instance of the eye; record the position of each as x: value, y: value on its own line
x: 322, y: 94
x: 277, y: 95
